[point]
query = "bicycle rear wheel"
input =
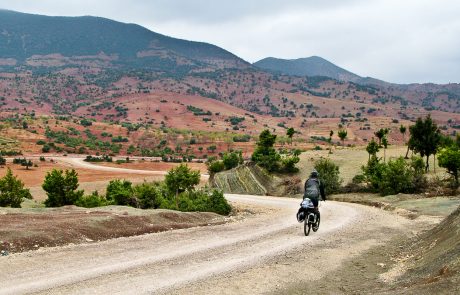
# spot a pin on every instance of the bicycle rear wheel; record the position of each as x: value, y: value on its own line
x: 306, y: 226
x: 316, y: 225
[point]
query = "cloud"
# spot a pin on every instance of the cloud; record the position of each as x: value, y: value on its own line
x: 398, y: 41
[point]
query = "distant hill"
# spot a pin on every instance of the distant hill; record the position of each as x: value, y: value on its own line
x: 38, y: 40
x: 310, y: 66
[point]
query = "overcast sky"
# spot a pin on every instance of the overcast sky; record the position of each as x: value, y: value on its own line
x: 399, y: 41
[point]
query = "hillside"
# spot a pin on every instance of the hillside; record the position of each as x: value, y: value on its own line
x: 310, y: 66
x: 37, y: 40
x: 138, y: 86
x: 432, y: 261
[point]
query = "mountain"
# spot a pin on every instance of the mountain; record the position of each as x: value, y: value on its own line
x: 310, y: 66
x: 37, y: 40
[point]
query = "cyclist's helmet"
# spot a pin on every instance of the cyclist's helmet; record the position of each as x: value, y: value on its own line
x: 314, y: 173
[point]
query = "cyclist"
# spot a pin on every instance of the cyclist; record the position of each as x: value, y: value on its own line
x: 314, y: 189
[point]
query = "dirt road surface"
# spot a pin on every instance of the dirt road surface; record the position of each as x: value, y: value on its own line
x: 257, y: 255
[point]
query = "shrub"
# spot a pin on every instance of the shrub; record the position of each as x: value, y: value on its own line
x: 120, y: 192
x: 449, y: 158
x: 12, y: 191
x: 241, y: 138
x: 359, y: 178
x: 2, y: 161
x: 150, y: 195
x: 86, y: 122
x: 61, y: 188
x: 264, y: 154
x: 329, y: 175
x: 373, y: 172
x: 288, y: 164
x: 215, y: 166
x: 103, y: 158
x: 232, y: 159
x: 46, y: 148
x: 92, y: 201
x: 181, y: 178
x: 203, y: 200
x: 396, y: 176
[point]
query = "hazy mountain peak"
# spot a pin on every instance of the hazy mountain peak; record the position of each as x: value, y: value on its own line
x: 308, y: 66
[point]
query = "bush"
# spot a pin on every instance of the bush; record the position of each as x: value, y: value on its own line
x: 215, y: 166
x: 204, y: 200
x: 92, y: 201
x: 396, y: 176
x: 12, y: 191
x: 61, y: 188
x: 264, y: 154
x: 86, y: 122
x: 373, y: 172
x: 2, y: 161
x: 241, y: 138
x: 150, y: 195
x: 46, y: 148
x: 357, y: 179
x: 288, y: 164
x: 232, y: 159
x: 181, y: 178
x: 120, y: 192
x: 449, y: 158
x: 329, y: 175
x: 103, y: 158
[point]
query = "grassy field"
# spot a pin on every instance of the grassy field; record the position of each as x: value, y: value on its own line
x: 350, y: 161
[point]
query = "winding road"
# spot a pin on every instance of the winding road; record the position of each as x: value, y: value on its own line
x: 202, y: 260
x: 258, y: 254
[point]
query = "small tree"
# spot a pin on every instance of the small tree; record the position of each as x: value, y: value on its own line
x: 342, y: 135
x: 290, y: 133
x: 181, y: 179
x: 232, y: 159
x: 385, y: 146
x: 120, y: 192
x: 449, y: 158
x: 381, y: 133
x: 329, y: 175
x: 331, y: 133
x: 61, y: 188
x: 12, y: 191
x: 402, y: 130
x: 27, y: 164
x: 265, y: 154
x: 215, y: 166
x: 212, y: 148
x: 425, y: 137
x: 372, y: 148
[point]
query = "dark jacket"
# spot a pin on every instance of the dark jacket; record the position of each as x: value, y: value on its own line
x: 319, y: 183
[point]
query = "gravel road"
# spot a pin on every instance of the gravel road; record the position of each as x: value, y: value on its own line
x: 201, y: 260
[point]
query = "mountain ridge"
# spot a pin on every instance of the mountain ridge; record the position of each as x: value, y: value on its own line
x: 314, y: 66
x: 23, y: 36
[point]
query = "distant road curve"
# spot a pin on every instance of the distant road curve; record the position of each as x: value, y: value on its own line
x: 79, y: 162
